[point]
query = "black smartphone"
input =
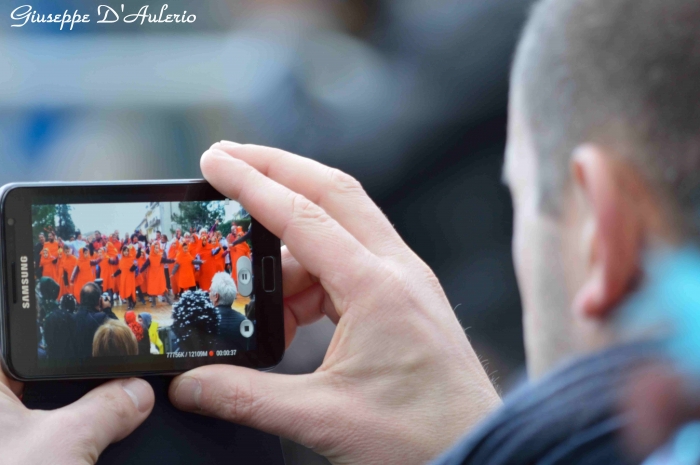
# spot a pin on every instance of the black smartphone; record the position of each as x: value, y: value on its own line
x: 134, y: 278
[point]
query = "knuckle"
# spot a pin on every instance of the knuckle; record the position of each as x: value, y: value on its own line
x: 344, y: 182
x: 304, y: 209
x: 237, y: 404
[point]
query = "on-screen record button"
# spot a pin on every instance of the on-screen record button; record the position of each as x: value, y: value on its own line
x: 247, y: 328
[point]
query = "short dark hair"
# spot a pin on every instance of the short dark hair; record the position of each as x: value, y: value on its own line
x: 90, y: 295
x: 622, y: 74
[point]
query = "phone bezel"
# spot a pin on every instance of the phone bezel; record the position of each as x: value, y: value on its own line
x: 19, y: 355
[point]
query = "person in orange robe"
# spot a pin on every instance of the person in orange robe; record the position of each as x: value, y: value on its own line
x: 48, y: 264
x: 82, y: 273
x: 175, y: 248
x: 237, y: 251
x: 105, y: 271
x: 184, y: 269
x: 141, y: 278
x: 219, y: 258
x: 207, y: 252
x: 114, y: 239
x: 194, y: 251
x: 52, y: 245
x: 66, y: 266
x: 155, y: 281
x: 59, y: 272
x: 112, y: 254
x: 127, y: 276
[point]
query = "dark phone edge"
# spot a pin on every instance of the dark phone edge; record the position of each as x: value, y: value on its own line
x: 5, y: 359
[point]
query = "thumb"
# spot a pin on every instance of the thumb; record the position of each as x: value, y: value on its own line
x: 106, y: 415
x: 293, y: 406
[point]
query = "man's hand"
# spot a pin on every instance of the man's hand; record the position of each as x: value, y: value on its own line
x: 76, y: 434
x: 400, y: 382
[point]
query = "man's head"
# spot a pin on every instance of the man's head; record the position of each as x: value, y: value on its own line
x: 98, y: 236
x: 178, y: 233
x: 90, y: 296
x: 66, y: 250
x: 52, y: 237
x: 603, y: 159
x: 223, y: 290
x: 42, y: 238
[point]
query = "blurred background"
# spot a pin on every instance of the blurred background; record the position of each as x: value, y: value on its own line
x: 408, y: 96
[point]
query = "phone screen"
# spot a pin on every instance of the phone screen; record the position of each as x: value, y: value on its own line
x: 158, y: 285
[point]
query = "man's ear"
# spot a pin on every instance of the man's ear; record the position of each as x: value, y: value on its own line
x: 608, y: 187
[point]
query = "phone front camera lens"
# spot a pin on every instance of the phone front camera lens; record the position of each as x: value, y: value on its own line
x: 11, y: 222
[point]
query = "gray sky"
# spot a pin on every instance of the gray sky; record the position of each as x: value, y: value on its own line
x: 123, y: 217
x: 107, y: 217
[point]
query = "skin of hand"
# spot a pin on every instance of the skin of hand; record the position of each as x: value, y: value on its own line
x: 400, y: 382
x: 73, y: 435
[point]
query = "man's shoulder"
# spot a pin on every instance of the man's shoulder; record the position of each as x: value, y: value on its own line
x: 230, y: 314
x: 570, y: 416
x: 57, y: 314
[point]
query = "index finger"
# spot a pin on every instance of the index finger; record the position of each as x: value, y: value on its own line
x: 338, y: 193
x: 314, y: 238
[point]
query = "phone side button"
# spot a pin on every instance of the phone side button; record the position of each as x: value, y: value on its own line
x: 268, y: 278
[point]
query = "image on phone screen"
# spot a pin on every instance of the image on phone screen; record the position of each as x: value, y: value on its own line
x: 142, y: 280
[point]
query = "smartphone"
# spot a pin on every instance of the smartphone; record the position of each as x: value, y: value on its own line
x: 134, y: 278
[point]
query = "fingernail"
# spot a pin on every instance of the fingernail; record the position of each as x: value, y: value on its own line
x: 187, y: 393
x: 139, y: 391
x: 217, y: 152
x: 224, y: 144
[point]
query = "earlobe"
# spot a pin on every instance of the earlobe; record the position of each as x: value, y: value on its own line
x: 614, y: 243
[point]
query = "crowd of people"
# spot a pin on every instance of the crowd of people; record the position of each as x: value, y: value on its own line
x: 133, y: 267
x: 80, y: 281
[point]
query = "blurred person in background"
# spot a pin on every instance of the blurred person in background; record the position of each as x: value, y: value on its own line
x: 222, y: 294
x: 195, y: 321
x: 88, y: 318
x: 76, y: 245
x: 140, y: 332
x: 114, y: 339
x: 38, y: 247
x: 59, y: 327
x: 603, y: 166
x: 151, y: 325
